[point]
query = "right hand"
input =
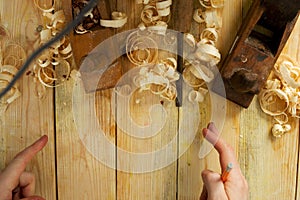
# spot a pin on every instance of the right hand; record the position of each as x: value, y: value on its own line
x: 235, y: 187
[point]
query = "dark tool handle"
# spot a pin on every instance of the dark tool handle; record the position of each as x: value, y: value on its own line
x: 179, y: 68
x: 181, y: 22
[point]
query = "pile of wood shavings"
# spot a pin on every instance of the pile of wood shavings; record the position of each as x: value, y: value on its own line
x: 157, y: 75
x: 12, y: 56
x: 52, y: 67
x: 198, y: 65
x: 155, y: 15
x: 281, y: 94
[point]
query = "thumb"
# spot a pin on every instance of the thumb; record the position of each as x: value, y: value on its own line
x: 33, y: 198
x: 213, y: 185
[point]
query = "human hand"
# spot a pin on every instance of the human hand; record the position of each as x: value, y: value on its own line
x: 235, y: 187
x: 15, y: 183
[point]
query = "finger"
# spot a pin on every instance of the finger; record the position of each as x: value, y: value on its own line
x: 225, y: 151
x: 203, y: 195
x: 211, y: 126
x: 213, y: 184
x: 10, y: 176
x: 27, y: 184
x: 33, y: 198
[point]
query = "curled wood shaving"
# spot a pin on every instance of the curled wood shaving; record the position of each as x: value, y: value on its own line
x: 190, y: 78
x: 274, y: 102
x: 278, y: 130
x: 197, y: 96
x: 12, y: 56
x: 159, y: 78
x: 52, y: 67
x: 190, y: 39
x: 159, y: 28
x: 198, y: 69
x: 281, y: 94
x: 44, y: 8
x: 212, y: 19
x: 208, y: 53
x: 150, y: 15
x: 118, y: 20
x: 156, y: 15
x: 209, y: 34
x: 198, y: 16
x: 141, y: 49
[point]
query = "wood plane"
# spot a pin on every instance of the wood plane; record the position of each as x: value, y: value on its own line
x: 83, y: 44
x: 258, y: 44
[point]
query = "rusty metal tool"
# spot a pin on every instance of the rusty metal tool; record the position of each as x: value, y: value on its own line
x: 258, y: 44
x: 83, y: 44
x: 181, y: 22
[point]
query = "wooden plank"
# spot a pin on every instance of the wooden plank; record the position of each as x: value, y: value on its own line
x: 293, y: 49
x: 190, y: 166
x: 80, y: 174
x: 28, y: 117
x: 270, y: 164
x: 156, y: 184
x: 160, y: 184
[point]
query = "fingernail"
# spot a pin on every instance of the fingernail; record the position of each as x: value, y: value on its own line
x: 210, y: 124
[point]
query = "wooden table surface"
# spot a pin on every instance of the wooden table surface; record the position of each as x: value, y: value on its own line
x: 67, y: 168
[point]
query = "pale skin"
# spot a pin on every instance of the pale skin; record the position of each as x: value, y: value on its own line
x: 235, y: 187
x: 15, y: 182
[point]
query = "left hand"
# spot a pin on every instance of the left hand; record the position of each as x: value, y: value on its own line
x: 15, y: 183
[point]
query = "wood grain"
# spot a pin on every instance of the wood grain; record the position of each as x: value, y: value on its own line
x: 270, y: 166
x: 28, y: 117
x: 81, y: 175
x: 190, y: 166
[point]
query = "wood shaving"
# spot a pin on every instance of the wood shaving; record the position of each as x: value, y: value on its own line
x: 281, y: 94
x: 12, y: 57
x: 199, y: 16
x: 278, y: 130
x: 118, y: 20
x: 141, y: 49
x: 197, y: 71
x: 198, y: 68
x: 44, y: 8
x: 159, y: 78
x: 156, y: 15
x: 190, y: 40
x: 197, y: 96
x: 52, y: 67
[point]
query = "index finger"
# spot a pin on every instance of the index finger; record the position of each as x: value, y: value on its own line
x: 225, y: 151
x: 10, y: 175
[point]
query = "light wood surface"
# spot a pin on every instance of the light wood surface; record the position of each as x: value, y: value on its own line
x: 69, y: 168
x: 28, y: 118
